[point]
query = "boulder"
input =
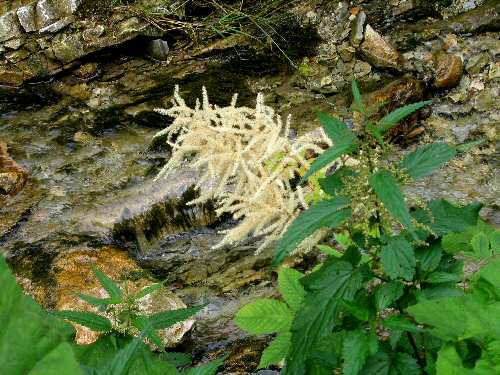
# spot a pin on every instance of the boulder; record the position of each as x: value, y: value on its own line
x: 26, y: 15
x: 377, y: 51
x: 10, y: 27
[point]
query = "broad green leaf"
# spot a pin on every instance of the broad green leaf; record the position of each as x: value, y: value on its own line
x: 206, y: 369
x: 436, y: 291
x: 387, y: 293
x: 141, y: 322
x: 486, y: 282
x: 327, y: 157
x: 264, y: 316
x: 427, y: 158
x: 461, y: 241
x: 177, y: 358
x: 383, y: 363
x: 147, y: 290
x: 327, y: 213
x: 429, y: 257
x: 326, y: 288
x: 398, y: 259
x: 109, y: 285
x: 336, y: 130
x: 495, y: 241
x: 328, y: 250
x: 392, y: 119
x: 399, y: 323
x: 167, y: 319
x: 93, y: 321
x: 334, y: 184
x: 450, y: 363
x: 358, y: 100
x: 357, y: 348
x: 95, y: 301
x: 438, y: 277
x: 359, y: 311
x: 276, y: 351
x: 386, y: 187
x: 481, y: 246
x: 31, y: 339
x: 290, y: 287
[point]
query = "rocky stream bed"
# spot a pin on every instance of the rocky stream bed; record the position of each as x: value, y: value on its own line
x: 78, y: 84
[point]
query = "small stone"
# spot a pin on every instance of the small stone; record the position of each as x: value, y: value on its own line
x: 358, y: 29
x: 9, y: 77
x: 56, y: 26
x: 378, y: 51
x: 158, y: 49
x: 92, y: 34
x: 15, y: 43
x: 68, y: 48
x: 448, y: 69
x: 26, y: 16
x: 87, y: 71
x: 478, y: 62
x: 346, y: 52
x: 462, y: 132
x: 362, y: 69
x: 494, y: 72
x: 10, y: 27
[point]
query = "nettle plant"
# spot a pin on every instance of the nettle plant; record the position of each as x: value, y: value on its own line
x: 392, y: 298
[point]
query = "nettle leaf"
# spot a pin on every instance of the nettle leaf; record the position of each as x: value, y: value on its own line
x: 358, y: 346
x: 394, y: 363
x: 486, y: 282
x: 481, y: 246
x: 328, y: 213
x: 495, y: 241
x: 399, y: 323
x: 393, y: 118
x: 93, y: 321
x: 94, y: 301
x: 336, y: 130
x: 109, y: 285
x: 147, y: 290
x: 360, y: 312
x: 438, y: 277
x: 387, y: 293
x: 265, y: 316
x: 167, y: 319
x: 398, y: 258
x: 326, y: 288
x: 450, y: 362
x: 290, y: 287
x: 455, y: 242
x: 206, y: 369
x: 327, y: 157
x: 333, y: 184
x: 328, y: 250
x: 429, y: 257
x: 276, y: 351
x: 386, y: 187
x: 358, y: 100
x: 427, y: 158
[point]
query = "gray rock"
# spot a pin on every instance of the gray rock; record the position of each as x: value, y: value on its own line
x: 68, y: 48
x: 478, y: 62
x: 47, y: 13
x: 10, y: 27
x: 377, y: 51
x: 26, y: 15
x: 15, y: 43
x: 358, y: 29
x: 461, y: 133
x: 57, y: 26
x: 158, y: 49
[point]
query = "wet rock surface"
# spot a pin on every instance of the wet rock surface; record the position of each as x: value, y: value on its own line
x: 84, y: 137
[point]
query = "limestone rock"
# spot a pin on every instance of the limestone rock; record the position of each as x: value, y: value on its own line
x: 448, y: 69
x: 58, y: 25
x: 46, y: 13
x: 158, y: 49
x: 15, y: 43
x: 10, y: 27
x: 68, y: 47
x: 26, y: 15
x: 377, y: 51
x: 358, y: 29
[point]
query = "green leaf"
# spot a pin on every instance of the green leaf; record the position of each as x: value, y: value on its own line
x: 328, y: 156
x: 427, y: 158
x: 481, y: 246
x: 328, y: 250
x: 495, y: 241
x: 399, y: 323
x: 94, y: 301
x: 336, y: 130
x: 147, y: 290
x: 327, y: 213
x: 398, y: 258
x: 429, y: 257
x: 290, y: 287
x: 93, y: 321
x: 358, y: 311
x: 31, y: 341
x: 392, y: 119
x: 334, y: 184
x: 358, y: 100
x: 438, y: 277
x: 394, y: 364
x: 166, y: 319
x: 385, y: 186
x: 276, y: 351
x: 141, y: 322
x: 264, y: 316
x: 387, y: 293
x: 357, y: 348
x: 177, y: 358
x: 326, y: 288
x: 464, y: 147
x: 109, y: 285
x: 206, y: 369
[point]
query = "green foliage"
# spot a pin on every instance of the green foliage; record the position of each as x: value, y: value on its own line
x: 392, y: 297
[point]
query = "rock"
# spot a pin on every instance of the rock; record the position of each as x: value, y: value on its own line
x: 16, y: 56
x: 158, y: 49
x: 9, y: 26
x: 377, y: 51
x: 462, y: 132
x: 346, y: 52
x: 477, y: 62
x: 494, y: 72
x: 68, y: 47
x: 12, y: 176
x: 58, y: 25
x: 87, y: 71
x: 92, y: 35
x: 10, y: 77
x: 361, y: 69
x: 47, y: 13
x: 358, y: 29
x: 26, y: 15
x: 15, y: 43
x: 448, y: 69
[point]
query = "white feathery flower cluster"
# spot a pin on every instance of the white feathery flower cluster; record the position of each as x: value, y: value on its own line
x: 248, y: 158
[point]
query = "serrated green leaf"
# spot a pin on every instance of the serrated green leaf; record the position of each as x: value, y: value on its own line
x: 427, y: 158
x: 114, y: 291
x: 386, y: 187
x: 398, y: 259
x: 334, y: 184
x: 429, y: 257
x: 327, y: 213
x: 167, y: 319
x: 394, y: 364
x: 438, y: 277
x: 141, y: 322
x: 481, y: 246
x: 206, y: 369
x: 355, y: 351
x: 290, y: 287
x: 328, y: 250
x: 358, y: 100
x: 336, y: 130
x: 358, y: 311
x: 327, y: 157
x: 58, y: 361
x: 393, y: 118
x: 147, y: 290
x: 177, y: 358
x: 276, y: 351
x: 335, y: 281
x: 399, y: 323
x: 94, y: 301
x: 464, y: 147
x: 93, y: 321
x: 387, y: 293
x: 264, y: 316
